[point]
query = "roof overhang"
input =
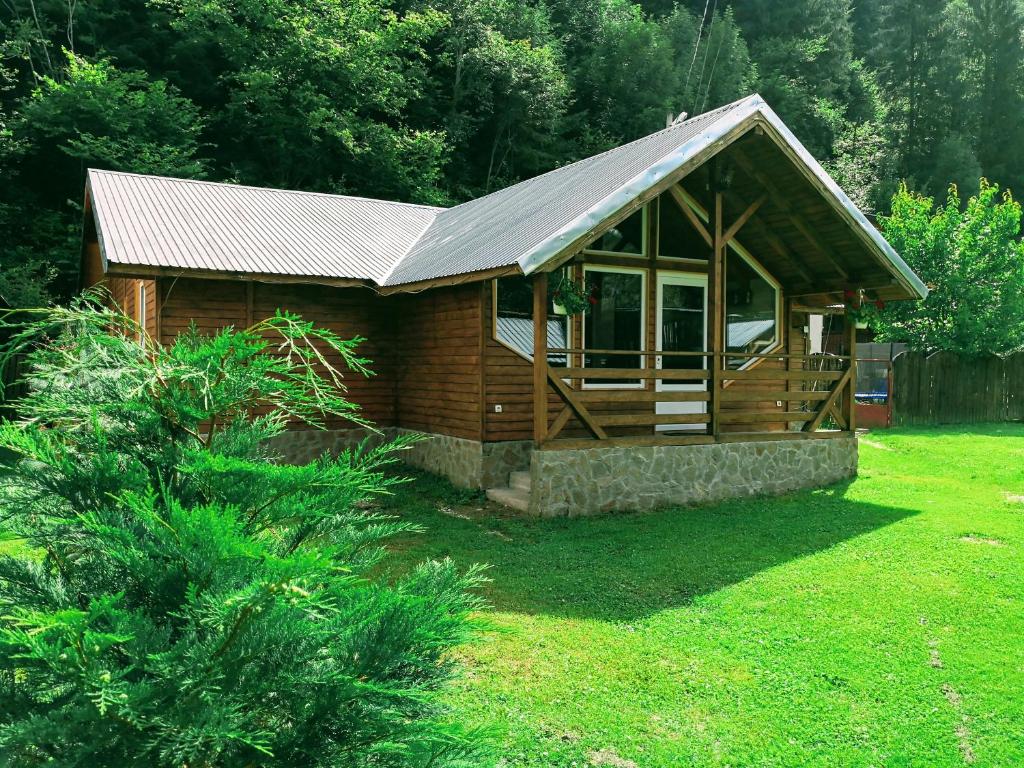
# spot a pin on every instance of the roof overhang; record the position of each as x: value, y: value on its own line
x: 751, y: 112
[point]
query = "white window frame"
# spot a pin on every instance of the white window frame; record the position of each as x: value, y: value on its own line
x: 643, y: 272
x: 644, y: 245
x: 683, y: 261
x: 778, y: 341
x: 569, y: 322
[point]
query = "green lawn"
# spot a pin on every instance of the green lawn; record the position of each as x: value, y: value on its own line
x: 876, y: 623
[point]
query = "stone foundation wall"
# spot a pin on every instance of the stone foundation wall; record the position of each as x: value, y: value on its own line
x: 456, y: 458
x: 467, y: 463
x: 595, y: 480
x: 300, y: 446
x: 500, y: 459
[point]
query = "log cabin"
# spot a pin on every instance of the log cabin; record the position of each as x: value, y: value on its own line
x: 700, y: 250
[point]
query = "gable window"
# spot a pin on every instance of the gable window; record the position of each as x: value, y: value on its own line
x: 626, y: 237
x: 615, y: 320
x: 753, y: 301
x: 751, y: 308
x: 677, y: 239
x: 513, y: 317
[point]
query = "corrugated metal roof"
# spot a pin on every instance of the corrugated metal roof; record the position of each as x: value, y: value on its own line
x: 740, y: 333
x: 498, y: 229
x: 177, y: 223
x: 517, y: 332
x: 174, y: 223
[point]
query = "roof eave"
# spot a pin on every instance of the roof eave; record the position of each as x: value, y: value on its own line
x: 90, y: 205
x: 152, y: 272
x: 696, y: 151
x: 874, y: 239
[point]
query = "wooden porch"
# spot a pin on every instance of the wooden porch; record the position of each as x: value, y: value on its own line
x: 737, y: 397
x: 816, y: 394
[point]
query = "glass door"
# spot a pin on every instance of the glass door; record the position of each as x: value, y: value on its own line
x: 682, y: 324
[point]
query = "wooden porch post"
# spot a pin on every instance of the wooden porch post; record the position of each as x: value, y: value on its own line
x: 850, y: 404
x: 540, y: 357
x: 716, y: 316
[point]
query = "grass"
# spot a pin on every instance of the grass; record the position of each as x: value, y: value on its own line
x: 876, y: 623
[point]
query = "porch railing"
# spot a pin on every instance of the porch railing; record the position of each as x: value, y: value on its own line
x: 737, y: 396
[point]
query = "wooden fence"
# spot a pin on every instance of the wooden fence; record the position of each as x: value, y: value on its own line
x: 945, y: 388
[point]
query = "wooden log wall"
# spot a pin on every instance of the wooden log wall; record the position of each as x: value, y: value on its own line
x: 508, y: 382
x: 347, y: 312
x: 125, y: 293
x: 424, y: 348
x: 437, y: 354
x: 438, y: 366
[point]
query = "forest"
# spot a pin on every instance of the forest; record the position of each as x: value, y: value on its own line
x: 437, y: 101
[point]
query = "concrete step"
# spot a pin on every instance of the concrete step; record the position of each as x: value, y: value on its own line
x: 519, y: 480
x: 516, y: 498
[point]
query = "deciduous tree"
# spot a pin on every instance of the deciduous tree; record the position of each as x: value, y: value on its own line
x: 972, y: 259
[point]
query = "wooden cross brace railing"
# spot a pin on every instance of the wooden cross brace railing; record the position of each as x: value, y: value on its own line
x: 829, y: 406
x: 572, y: 406
x: 832, y: 403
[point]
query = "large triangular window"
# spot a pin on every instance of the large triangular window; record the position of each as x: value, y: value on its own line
x: 677, y: 239
x: 626, y: 237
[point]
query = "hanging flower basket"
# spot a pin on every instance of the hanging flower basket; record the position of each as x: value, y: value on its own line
x: 861, y: 310
x: 571, y: 298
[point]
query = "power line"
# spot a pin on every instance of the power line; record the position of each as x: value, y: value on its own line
x: 696, y: 45
x: 711, y: 75
x: 707, y: 50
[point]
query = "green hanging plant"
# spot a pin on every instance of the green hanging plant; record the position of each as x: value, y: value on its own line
x: 571, y: 297
x: 860, y: 309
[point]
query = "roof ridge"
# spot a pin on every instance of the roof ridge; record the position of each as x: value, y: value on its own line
x: 673, y: 127
x: 281, y: 190
x: 697, y: 126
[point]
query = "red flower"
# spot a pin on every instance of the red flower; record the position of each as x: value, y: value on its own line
x: 880, y: 304
x: 848, y: 294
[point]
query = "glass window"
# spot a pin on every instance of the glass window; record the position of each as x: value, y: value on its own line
x: 682, y: 324
x: 514, y: 317
x: 615, y: 320
x: 677, y: 239
x: 625, y: 237
x: 751, y: 314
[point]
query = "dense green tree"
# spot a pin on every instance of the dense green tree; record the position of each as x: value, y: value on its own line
x: 635, y: 70
x: 312, y: 95
x: 972, y: 259
x: 498, y: 87
x: 25, y: 273
x: 995, y: 37
x: 910, y: 52
x: 193, y: 602
x: 98, y: 115
x: 804, y: 55
x: 92, y: 114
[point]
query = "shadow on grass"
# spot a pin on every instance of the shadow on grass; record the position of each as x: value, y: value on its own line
x: 624, y: 567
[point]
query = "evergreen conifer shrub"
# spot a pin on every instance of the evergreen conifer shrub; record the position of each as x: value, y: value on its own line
x: 189, y: 601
